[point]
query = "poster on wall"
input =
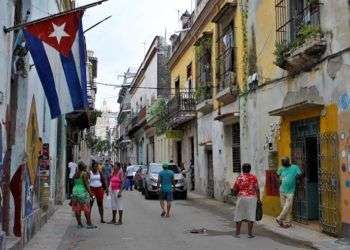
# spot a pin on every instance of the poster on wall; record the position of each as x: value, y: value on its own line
x: 44, y: 173
x: 44, y: 167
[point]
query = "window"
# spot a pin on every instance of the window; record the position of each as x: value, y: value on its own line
x: 292, y: 15
x: 204, y: 67
x: 177, y: 86
x: 236, y: 148
x: 203, y: 56
x: 225, y: 60
x: 189, y: 77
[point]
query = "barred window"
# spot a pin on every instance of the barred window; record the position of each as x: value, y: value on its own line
x: 236, y: 148
x: 292, y: 15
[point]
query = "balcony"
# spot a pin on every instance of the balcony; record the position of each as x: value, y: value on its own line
x: 137, y: 121
x: 300, y: 41
x: 83, y: 119
x: 204, y: 98
x: 181, y: 108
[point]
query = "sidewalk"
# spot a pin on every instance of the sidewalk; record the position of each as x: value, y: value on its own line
x: 298, y: 233
x: 51, y: 234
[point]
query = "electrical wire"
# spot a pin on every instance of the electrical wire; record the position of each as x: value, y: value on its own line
x: 145, y: 87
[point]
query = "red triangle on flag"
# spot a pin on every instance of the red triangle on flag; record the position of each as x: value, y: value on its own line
x: 58, y: 32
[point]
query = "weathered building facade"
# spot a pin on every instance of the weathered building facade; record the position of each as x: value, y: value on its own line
x: 205, y: 63
x: 33, y: 146
x: 150, y: 83
x: 296, y: 104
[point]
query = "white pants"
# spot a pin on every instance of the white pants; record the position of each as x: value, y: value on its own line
x: 287, y: 208
x: 116, y: 202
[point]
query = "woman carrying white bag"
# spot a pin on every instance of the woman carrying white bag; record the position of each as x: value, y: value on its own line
x: 116, y: 189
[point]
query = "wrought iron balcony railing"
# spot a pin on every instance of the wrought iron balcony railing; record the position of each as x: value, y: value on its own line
x: 182, y: 102
x: 289, y: 23
x: 225, y: 70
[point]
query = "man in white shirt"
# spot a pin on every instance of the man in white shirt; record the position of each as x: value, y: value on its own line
x: 130, y: 177
x: 72, y: 166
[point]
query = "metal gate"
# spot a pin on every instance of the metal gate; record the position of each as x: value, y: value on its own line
x: 329, y: 183
x: 300, y: 206
x: 210, y: 189
x: 300, y: 132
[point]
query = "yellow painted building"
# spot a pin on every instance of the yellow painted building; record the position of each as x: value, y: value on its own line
x: 299, y: 108
x: 208, y: 70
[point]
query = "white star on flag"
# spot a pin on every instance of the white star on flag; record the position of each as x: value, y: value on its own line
x: 58, y: 32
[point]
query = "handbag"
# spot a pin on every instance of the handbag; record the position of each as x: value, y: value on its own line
x: 259, y: 211
x: 108, y: 201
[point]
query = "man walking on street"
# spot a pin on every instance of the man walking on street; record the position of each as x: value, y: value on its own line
x: 130, y: 177
x: 288, y: 175
x: 107, y: 171
x: 72, y: 166
x: 165, y: 185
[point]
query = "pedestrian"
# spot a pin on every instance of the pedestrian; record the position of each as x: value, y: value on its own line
x: 130, y: 177
x: 81, y: 196
x: 246, y: 189
x: 72, y: 166
x: 98, y: 188
x: 192, y: 175
x: 107, y: 171
x: 288, y: 175
x: 116, y: 189
x: 138, y: 179
x: 165, y: 186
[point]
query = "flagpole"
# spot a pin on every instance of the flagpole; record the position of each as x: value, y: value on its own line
x: 93, y: 26
x: 22, y: 25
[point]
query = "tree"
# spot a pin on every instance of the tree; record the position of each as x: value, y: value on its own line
x: 101, y: 146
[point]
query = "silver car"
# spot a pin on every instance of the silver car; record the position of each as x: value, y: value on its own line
x: 151, y: 181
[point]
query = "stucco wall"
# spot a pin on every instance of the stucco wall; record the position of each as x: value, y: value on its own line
x: 149, y: 79
x: 7, y: 15
x: 329, y: 78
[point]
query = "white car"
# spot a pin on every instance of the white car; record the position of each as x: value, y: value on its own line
x: 151, y: 181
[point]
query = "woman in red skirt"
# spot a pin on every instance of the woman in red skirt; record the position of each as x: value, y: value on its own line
x: 98, y: 188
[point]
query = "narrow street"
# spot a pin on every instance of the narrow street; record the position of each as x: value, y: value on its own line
x: 144, y: 229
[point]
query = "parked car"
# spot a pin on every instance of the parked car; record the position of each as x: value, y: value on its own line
x: 151, y: 180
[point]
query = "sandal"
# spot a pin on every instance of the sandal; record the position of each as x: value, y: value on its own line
x: 80, y: 226
x: 118, y: 223
x: 250, y: 236
x: 163, y: 214
x: 112, y: 222
x: 279, y: 222
x: 91, y: 226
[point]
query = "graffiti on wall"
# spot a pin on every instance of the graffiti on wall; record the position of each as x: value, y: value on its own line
x: 344, y: 102
x: 28, y: 194
x: 271, y: 136
x: 33, y: 143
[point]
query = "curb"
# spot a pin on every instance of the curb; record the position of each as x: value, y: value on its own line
x: 298, y: 234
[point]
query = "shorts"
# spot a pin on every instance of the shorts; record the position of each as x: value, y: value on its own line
x: 116, y: 202
x: 98, y: 193
x: 166, y: 196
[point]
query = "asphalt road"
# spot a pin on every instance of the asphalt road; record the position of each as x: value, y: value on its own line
x: 144, y: 229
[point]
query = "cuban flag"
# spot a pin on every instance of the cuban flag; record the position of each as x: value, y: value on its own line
x: 57, y: 46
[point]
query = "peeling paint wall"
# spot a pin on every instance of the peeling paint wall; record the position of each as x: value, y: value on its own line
x: 329, y: 78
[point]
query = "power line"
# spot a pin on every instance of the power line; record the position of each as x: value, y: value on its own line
x: 128, y: 86
x: 155, y: 88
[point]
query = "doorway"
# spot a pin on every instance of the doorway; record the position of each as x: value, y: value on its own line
x: 179, y: 152
x: 305, y: 152
x: 210, y: 190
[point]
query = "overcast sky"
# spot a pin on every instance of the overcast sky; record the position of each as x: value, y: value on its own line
x: 119, y: 42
